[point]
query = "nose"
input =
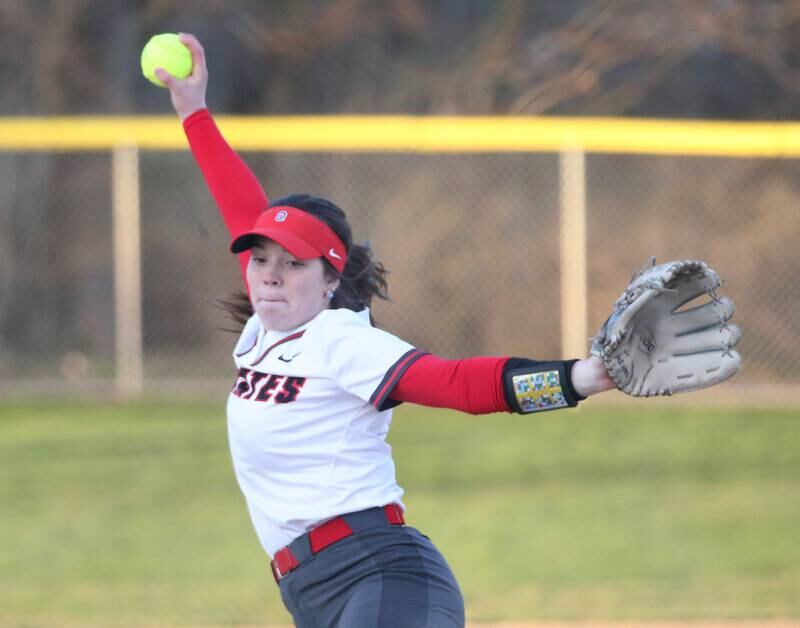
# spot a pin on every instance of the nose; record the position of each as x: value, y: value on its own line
x: 269, y: 274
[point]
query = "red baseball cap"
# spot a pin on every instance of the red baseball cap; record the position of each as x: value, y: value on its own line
x: 303, y: 235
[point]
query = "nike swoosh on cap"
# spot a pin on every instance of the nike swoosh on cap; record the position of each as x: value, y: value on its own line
x: 332, y: 253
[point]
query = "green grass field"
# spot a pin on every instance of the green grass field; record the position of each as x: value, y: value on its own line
x: 122, y: 515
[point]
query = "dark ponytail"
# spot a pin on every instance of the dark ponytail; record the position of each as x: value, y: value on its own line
x: 363, y: 278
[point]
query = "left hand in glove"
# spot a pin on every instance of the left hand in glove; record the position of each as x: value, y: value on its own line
x: 653, y: 345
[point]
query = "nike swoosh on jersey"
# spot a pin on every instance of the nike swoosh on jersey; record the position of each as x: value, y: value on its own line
x: 283, y: 358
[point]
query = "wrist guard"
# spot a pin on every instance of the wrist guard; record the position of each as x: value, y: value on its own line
x: 532, y: 386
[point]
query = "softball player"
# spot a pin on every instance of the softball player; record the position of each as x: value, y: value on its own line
x: 312, y: 401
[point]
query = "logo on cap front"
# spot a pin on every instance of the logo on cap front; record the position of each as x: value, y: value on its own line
x: 281, y: 215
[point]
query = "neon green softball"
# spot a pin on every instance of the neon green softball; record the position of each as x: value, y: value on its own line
x: 166, y: 51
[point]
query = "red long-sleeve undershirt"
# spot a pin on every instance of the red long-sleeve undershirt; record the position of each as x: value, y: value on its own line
x: 238, y: 194
x: 473, y: 385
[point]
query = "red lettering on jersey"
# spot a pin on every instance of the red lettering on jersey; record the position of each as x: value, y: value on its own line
x: 243, y: 387
x: 258, y: 386
x: 237, y: 385
x: 254, y: 378
x: 268, y: 389
x: 291, y: 388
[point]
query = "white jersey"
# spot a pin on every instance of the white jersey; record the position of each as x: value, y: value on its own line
x: 308, y: 418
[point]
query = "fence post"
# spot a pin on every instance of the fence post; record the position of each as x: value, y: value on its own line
x: 572, y: 191
x: 127, y: 270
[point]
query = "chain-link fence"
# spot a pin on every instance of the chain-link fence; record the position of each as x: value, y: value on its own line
x: 471, y: 240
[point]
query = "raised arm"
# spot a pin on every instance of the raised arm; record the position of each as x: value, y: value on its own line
x: 236, y: 191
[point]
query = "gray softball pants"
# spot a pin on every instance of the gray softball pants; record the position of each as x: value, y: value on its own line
x: 381, y: 577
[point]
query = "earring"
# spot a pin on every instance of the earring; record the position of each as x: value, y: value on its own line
x: 329, y: 294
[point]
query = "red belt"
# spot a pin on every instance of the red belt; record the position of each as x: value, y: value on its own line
x: 284, y: 561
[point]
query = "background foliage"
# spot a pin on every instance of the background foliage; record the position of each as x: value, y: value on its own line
x: 717, y: 59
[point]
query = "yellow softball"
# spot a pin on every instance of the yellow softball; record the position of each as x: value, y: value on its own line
x: 166, y: 51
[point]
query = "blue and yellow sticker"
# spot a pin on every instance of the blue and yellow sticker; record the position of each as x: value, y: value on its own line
x: 539, y: 391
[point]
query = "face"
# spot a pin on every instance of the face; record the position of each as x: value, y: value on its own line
x: 285, y: 291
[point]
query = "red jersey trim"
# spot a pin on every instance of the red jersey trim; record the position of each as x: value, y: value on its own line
x: 280, y: 342
x: 249, y: 349
x: 392, y: 376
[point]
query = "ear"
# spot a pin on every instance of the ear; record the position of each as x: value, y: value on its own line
x: 333, y: 284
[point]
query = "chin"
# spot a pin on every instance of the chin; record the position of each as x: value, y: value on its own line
x: 275, y: 321
x: 272, y: 322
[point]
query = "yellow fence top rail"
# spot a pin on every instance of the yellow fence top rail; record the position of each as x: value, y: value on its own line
x: 414, y: 134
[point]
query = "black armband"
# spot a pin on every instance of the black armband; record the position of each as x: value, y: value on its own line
x: 532, y: 386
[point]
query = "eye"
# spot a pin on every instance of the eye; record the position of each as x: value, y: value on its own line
x: 257, y: 259
x: 294, y: 263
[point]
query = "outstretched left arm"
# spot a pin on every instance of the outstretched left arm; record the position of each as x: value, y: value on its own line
x: 486, y: 384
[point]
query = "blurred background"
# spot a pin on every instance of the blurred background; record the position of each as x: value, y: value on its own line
x: 673, y: 133
x: 425, y: 214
